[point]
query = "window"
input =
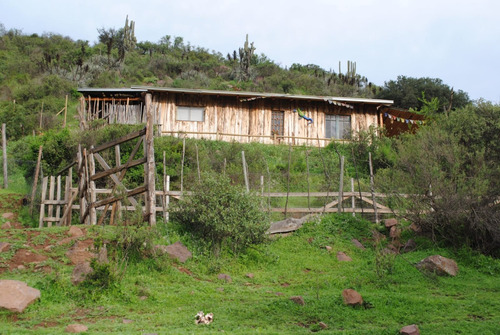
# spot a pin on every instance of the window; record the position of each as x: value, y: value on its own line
x: 277, y: 123
x: 338, y: 126
x: 190, y: 113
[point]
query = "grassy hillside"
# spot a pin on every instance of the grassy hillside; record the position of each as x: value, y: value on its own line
x: 159, y: 295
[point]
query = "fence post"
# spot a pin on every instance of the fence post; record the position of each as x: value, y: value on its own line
x: 372, y: 187
x: 4, y: 148
x: 341, y: 184
x: 245, y: 172
x: 353, y: 198
x: 35, y: 182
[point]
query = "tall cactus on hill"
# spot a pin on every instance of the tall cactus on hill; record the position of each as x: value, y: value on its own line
x: 246, y: 53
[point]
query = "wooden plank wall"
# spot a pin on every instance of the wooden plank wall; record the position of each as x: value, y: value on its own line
x: 230, y: 115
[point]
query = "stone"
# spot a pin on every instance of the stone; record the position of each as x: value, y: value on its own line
x: 250, y: 275
x: 395, y: 232
x: 415, y: 228
x: 286, y: 226
x: 390, y: 223
x: 328, y: 248
x: 80, y: 272
x: 351, y: 297
x: 322, y: 325
x: 79, y: 252
x: 16, y: 295
x: 225, y: 277
x: 358, y: 244
x: 74, y: 231
x: 6, y: 225
x: 102, y: 256
x: 4, y: 246
x: 410, y: 330
x: 176, y: 251
x: 410, y: 245
x: 76, y: 328
x: 377, y: 236
x: 127, y: 321
x: 439, y: 265
x: 342, y: 257
x: 8, y: 216
x: 298, y: 300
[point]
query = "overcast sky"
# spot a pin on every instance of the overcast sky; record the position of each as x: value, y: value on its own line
x: 457, y: 41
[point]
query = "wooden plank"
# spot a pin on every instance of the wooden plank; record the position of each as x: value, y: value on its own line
x: 42, y: 204
x: 329, y: 210
x: 50, y: 209
x: 116, y: 169
x: 35, y: 182
x: 135, y: 191
x: 122, y: 139
x: 150, y: 180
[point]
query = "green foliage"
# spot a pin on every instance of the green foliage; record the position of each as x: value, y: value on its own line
x: 450, y: 168
x: 407, y: 91
x: 220, y: 215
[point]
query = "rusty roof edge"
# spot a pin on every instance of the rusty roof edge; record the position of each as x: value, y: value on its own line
x: 265, y: 95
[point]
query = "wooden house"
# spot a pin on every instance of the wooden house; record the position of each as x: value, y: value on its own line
x: 236, y: 115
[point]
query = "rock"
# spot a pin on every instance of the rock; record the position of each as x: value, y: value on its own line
x: 410, y: 330
x: 393, y: 247
x: 351, y: 297
x: 377, y: 236
x: 322, y: 325
x: 415, y: 228
x: 285, y: 226
x: 298, y: 300
x: 127, y: 321
x: 79, y: 252
x: 395, y: 233
x: 16, y: 295
x: 4, y: 246
x: 102, y: 256
x: 439, y: 265
x: 6, y: 225
x: 410, y: 245
x: 74, y: 231
x: 358, y: 244
x: 143, y: 297
x: 328, y: 248
x: 250, y: 275
x: 21, y: 267
x: 225, y: 277
x: 176, y: 251
x: 76, y: 328
x: 8, y: 216
x: 390, y: 223
x: 80, y: 272
x: 342, y: 257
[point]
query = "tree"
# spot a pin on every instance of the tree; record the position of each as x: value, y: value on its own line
x: 407, y: 91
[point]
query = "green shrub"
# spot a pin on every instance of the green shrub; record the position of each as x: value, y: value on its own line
x: 220, y: 215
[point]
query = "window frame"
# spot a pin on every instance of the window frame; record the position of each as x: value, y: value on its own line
x: 192, y: 112
x: 337, y: 130
x: 280, y: 121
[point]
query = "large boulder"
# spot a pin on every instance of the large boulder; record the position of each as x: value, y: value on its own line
x: 176, y: 251
x: 299, y: 300
x: 439, y: 265
x: 80, y: 252
x: 16, y: 295
x: 351, y: 297
x: 76, y: 328
x: 4, y: 246
x: 342, y: 257
x: 390, y: 223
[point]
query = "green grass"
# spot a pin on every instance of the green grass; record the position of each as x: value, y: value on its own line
x: 287, y: 266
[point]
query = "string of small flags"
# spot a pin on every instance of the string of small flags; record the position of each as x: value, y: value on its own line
x: 338, y: 103
x: 403, y: 120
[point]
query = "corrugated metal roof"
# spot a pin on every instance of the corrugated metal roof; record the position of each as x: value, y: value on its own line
x: 242, y: 94
x: 265, y: 95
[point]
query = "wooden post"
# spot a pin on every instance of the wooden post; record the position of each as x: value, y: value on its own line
x: 261, y: 185
x: 198, y: 163
x: 308, y: 181
x: 50, y: 211
x: 58, y: 197
x: 182, y: 162
x: 42, y: 203
x: 245, y: 172
x: 68, y: 199
x: 65, y: 111
x: 4, y: 150
x: 164, y: 198
x: 41, y: 117
x: 93, y: 196
x: 353, y: 199
x: 288, y: 177
x: 167, y: 199
x: 372, y: 187
x: 341, y: 184
x: 35, y: 181
x: 150, y: 164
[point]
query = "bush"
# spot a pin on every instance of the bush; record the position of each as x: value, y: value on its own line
x: 220, y: 215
